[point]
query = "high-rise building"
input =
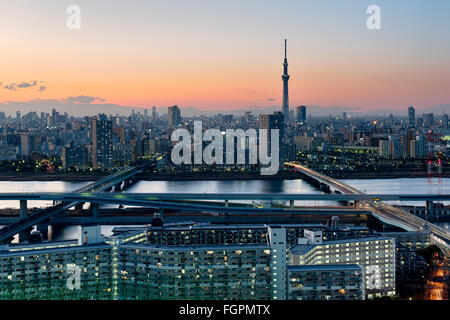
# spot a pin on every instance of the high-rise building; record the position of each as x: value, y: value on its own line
x: 277, y: 241
x: 411, y: 117
x: 119, y: 131
x: 385, y: 148
x: 29, y: 144
x: 428, y: 120
x: 301, y: 114
x: 75, y: 156
x: 198, y: 262
x: 122, y: 153
x: 54, y: 117
x: 102, y: 144
x: 154, y: 113
x: 445, y: 121
x: 248, y: 117
x: 174, y: 116
x: 275, y: 121
x: 418, y: 147
x: 375, y: 254
x: 285, y: 78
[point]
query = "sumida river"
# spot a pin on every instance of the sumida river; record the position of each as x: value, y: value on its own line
x: 376, y: 186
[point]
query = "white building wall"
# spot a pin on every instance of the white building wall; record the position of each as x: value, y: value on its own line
x: 277, y: 241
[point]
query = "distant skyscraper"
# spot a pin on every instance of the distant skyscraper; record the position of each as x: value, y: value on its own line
x: 428, y: 120
x: 28, y: 144
x: 274, y: 121
x: 102, y: 144
x: 301, y: 114
x: 154, y: 113
x: 285, y: 78
x: 445, y: 121
x: 54, y: 116
x: 411, y: 117
x: 174, y: 116
x: 248, y: 117
x: 18, y: 115
x: 146, y: 114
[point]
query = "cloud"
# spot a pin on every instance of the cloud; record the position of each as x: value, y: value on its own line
x: 83, y: 100
x: 271, y: 99
x: 42, y: 88
x: 23, y: 85
x: 11, y: 86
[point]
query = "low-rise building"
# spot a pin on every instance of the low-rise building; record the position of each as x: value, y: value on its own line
x: 326, y: 282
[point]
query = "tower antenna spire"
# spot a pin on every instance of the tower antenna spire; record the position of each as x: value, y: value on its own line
x: 285, y: 78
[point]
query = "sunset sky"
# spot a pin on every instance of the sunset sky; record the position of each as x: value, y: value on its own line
x: 217, y: 54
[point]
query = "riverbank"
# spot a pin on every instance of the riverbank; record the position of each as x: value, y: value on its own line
x: 189, y: 176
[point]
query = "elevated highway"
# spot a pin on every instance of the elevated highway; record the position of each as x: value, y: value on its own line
x: 382, y: 211
x: 144, y: 215
x: 28, y: 221
x: 100, y: 197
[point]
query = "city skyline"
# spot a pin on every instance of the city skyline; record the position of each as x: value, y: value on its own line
x: 181, y: 150
x: 227, y: 66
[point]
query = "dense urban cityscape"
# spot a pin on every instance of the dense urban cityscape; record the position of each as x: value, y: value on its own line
x: 59, y: 143
x: 197, y: 260
x: 158, y: 203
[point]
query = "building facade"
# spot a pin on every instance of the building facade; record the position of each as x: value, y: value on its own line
x: 102, y: 144
x: 376, y: 255
x: 174, y: 116
x: 325, y: 282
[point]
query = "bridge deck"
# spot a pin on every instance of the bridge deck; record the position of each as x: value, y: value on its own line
x: 86, y: 196
x: 43, y: 215
x: 385, y: 213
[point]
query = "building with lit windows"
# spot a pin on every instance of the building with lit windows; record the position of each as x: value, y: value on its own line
x: 275, y: 121
x: 43, y: 270
x: 249, y: 262
x: 125, y: 267
x: 414, y: 240
x: 102, y: 146
x: 193, y: 272
x: 376, y: 255
x: 207, y: 234
x: 325, y: 282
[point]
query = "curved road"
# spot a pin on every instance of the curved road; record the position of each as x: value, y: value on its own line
x: 383, y: 211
